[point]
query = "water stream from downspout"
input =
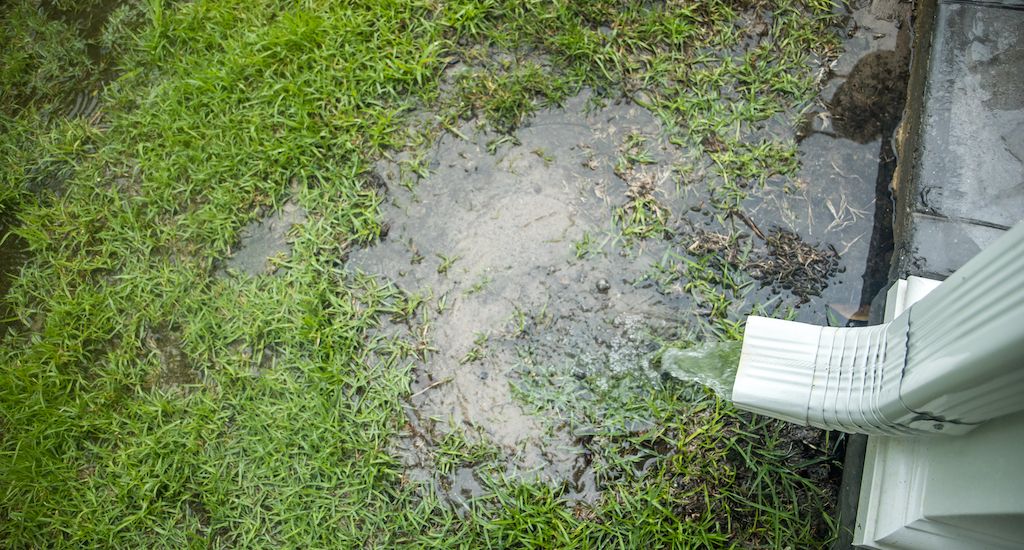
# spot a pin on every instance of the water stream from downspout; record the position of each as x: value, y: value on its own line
x: 712, y: 364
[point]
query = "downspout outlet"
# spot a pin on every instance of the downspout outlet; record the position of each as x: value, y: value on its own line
x: 948, y: 363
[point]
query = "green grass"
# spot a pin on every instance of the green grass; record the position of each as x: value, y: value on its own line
x: 479, y: 349
x: 669, y: 453
x: 456, y: 450
x: 446, y: 263
x: 146, y: 400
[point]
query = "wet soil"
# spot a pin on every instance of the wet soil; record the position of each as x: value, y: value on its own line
x: 173, y: 372
x: 266, y: 242
x: 13, y: 253
x: 538, y: 308
x: 87, y: 19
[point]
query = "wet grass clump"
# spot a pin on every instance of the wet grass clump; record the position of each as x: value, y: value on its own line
x: 148, y: 399
x: 699, y: 475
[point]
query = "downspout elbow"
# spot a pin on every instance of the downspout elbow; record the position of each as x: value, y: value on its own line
x: 947, y: 363
x: 845, y: 379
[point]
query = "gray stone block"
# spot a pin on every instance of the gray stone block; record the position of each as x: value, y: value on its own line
x: 971, y: 159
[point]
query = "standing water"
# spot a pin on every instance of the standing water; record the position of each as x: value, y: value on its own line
x: 712, y: 364
x: 545, y: 319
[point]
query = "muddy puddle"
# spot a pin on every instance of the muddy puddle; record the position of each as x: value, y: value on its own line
x: 494, y: 240
x: 96, y: 32
x: 545, y: 322
x: 88, y: 18
x: 847, y: 150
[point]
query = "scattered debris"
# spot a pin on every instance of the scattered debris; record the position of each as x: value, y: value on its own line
x: 786, y: 262
x: 795, y: 265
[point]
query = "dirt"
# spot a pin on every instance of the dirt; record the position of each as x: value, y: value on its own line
x: 173, y: 373
x: 512, y: 221
x: 795, y: 265
x: 266, y: 243
x: 781, y: 260
x: 547, y: 310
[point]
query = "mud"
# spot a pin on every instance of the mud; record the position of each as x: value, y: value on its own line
x: 266, y: 242
x: 516, y: 292
x: 545, y: 322
x: 88, y: 18
x: 173, y: 372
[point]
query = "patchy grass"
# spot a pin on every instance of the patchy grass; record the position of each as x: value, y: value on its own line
x: 147, y: 401
x: 479, y: 349
x: 456, y: 450
x: 697, y: 474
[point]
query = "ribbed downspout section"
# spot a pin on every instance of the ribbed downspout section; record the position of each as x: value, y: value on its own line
x: 950, y: 362
x: 835, y: 378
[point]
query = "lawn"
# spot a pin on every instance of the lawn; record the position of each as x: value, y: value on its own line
x: 149, y: 397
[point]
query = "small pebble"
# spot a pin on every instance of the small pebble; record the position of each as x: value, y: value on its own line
x: 603, y: 286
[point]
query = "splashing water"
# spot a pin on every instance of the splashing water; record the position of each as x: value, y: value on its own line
x: 712, y: 364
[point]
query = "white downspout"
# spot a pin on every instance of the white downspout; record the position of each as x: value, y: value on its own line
x: 950, y: 362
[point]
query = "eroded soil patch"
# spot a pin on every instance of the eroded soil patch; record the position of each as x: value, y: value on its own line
x: 173, y: 372
x: 553, y: 266
x: 490, y: 241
